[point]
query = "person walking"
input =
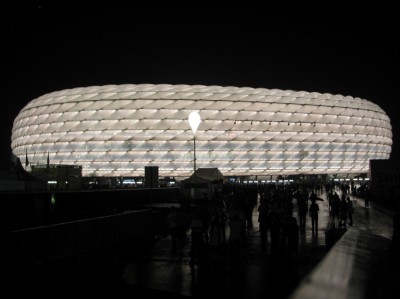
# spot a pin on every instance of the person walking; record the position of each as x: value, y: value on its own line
x: 197, y: 246
x: 293, y: 236
x: 313, y: 213
x: 350, y: 211
x: 343, y: 212
x: 263, y: 219
x: 303, y: 207
x: 235, y: 238
x: 173, y: 219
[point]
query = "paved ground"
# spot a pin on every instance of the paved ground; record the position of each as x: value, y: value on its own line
x: 358, y: 266
x: 152, y: 268
x: 257, y: 275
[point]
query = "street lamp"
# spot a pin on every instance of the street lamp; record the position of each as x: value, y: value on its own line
x: 194, y: 121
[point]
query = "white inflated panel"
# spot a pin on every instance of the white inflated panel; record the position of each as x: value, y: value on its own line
x: 117, y: 130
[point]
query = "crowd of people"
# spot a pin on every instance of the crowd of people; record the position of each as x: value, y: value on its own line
x: 341, y: 208
x: 220, y: 223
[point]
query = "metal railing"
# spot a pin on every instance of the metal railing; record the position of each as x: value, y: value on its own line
x: 68, y: 238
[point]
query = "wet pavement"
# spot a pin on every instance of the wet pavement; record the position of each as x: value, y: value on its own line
x: 376, y: 218
x: 364, y: 263
x: 358, y: 266
x: 151, y: 267
x: 257, y: 275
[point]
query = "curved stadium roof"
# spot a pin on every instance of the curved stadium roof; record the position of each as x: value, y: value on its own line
x: 117, y: 130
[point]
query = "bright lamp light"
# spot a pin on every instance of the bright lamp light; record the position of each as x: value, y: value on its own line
x: 194, y: 121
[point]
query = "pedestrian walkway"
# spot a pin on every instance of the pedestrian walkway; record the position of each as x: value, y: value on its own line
x: 362, y: 264
x: 377, y: 218
x: 257, y: 276
x: 153, y: 268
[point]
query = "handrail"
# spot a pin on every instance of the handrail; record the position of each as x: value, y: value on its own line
x: 63, y: 239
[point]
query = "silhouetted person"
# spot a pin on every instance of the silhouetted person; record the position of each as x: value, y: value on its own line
x: 217, y: 219
x: 263, y: 219
x: 173, y: 219
x: 350, y: 211
x: 293, y: 236
x: 313, y: 213
x: 275, y: 228
x: 204, y: 214
x: 197, y: 228
x: 366, y: 201
x: 343, y: 211
x: 335, y: 205
x: 303, y: 208
x: 235, y: 236
x: 330, y: 202
x: 248, y: 210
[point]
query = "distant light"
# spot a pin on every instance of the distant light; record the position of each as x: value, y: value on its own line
x: 125, y: 182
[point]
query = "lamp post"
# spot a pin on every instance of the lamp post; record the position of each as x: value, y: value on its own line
x: 194, y: 121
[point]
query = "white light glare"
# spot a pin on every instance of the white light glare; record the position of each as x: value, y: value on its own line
x: 194, y: 120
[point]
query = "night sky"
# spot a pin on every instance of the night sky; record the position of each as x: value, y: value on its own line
x: 325, y: 49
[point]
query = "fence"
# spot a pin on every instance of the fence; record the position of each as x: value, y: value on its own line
x: 63, y: 239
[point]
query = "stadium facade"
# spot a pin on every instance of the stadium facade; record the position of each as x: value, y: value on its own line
x: 117, y: 130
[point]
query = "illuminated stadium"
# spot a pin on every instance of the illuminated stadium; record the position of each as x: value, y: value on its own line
x: 117, y: 130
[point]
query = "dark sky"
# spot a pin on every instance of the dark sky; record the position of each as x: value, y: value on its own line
x: 328, y: 49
